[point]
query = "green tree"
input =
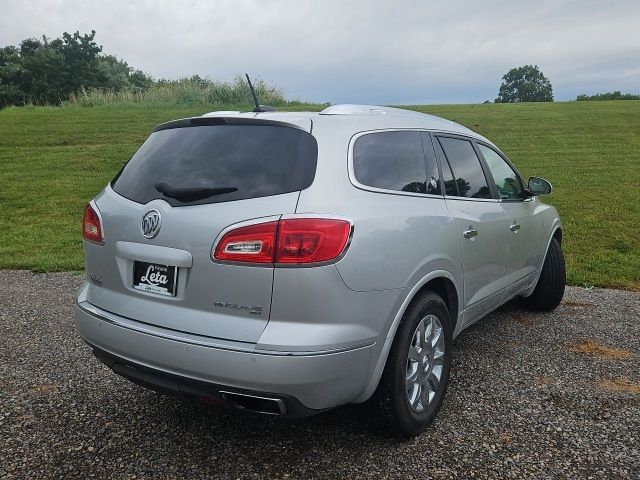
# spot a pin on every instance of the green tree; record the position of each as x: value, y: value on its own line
x: 49, y: 72
x: 138, y: 80
x: 11, y: 72
x: 80, y: 54
x: 42, y: 80
x: 115, y: 74
x: 525, y: 84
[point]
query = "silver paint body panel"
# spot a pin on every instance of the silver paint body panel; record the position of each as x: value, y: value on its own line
x: 324, y: 332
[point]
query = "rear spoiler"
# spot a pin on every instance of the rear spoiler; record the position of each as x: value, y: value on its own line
x: 209, y: 121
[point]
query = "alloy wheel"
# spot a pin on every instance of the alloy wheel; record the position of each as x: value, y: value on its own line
x: 425, y: 363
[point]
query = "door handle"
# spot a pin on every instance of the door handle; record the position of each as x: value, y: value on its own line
x: 471, y: 233
x: 515, y: 227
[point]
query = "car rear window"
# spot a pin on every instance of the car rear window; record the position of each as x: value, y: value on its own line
x: 257, y: 160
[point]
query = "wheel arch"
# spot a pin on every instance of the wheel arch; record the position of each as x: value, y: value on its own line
x: 446, y: 289
x: 557, y: 234
x: 440, y: 282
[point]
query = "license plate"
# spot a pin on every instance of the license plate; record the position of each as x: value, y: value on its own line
x: 155, y: 278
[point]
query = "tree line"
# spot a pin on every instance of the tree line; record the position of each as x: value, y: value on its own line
x: 47, y: 72
x: 528, y: 84
x: 607, y: 96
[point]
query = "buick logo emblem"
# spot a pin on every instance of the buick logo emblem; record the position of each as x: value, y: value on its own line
x: 150, y: 224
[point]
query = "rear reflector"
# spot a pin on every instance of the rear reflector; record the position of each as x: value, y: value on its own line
x: 91, y: 225
x: 289, y: 241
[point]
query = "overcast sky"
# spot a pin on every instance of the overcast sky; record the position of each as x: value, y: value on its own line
x: 385, y: 52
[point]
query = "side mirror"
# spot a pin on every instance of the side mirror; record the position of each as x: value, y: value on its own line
x: 539, y: 186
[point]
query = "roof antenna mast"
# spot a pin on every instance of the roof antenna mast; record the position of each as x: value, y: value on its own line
x: 257, y: 108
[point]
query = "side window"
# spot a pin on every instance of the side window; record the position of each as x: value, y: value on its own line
x: 466, y: 168
x: 433, y: 177
x: 450, y: 186
x: 391, y: 160
x: 507, y: 181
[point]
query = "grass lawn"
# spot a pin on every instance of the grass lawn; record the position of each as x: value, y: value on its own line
x: 53, y: 160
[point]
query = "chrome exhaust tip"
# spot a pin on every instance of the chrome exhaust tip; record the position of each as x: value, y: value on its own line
x: 256, y: 404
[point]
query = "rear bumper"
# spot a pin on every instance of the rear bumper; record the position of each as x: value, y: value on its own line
x: 230, y: 397
x: 305, y: 383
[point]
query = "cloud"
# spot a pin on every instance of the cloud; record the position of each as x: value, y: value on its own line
x: 369, y: 51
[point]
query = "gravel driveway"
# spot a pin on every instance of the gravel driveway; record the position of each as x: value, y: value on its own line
x: 531, y: 396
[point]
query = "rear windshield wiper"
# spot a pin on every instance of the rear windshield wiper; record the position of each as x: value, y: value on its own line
x: 190, y: 194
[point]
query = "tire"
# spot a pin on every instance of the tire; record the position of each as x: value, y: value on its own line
x: 550, y: 287
x: 391, y: 401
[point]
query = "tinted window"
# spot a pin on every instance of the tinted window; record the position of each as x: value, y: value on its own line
x: 258, y: 160
x: 433, y: 177
x: 507, y: 181
x: 450, y: 186
x: 390, y: 160
x: 466, y: 168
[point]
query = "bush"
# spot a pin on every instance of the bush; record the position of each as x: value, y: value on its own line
x: 72, y: 69
x: 607, y: 96
x: 194, y: 91
x: 47, y: 72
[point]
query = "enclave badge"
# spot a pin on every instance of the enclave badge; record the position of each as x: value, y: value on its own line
x: 150, y: 224
x: 254, y: 310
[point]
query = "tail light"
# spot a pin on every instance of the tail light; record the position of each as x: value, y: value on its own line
x: 289, y: 241
x: 91, y: 225
x: 254, y: 243
x: 311, y: 240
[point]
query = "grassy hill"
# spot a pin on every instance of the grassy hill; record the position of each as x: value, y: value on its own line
x: 53, y: 160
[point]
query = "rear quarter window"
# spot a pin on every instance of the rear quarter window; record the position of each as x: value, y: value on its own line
x: 257, y: 160
x: 395, y: 161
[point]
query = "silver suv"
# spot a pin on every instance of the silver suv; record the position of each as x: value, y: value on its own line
x: 287, y: 263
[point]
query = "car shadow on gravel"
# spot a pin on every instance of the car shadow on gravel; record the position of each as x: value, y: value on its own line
x: 347, y: 422
x: 493, y: 337
x: 520, y: 403
x: 194, y: 415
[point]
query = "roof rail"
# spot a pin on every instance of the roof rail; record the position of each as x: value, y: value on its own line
x: 349, y: 109
x: 220, y: 113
